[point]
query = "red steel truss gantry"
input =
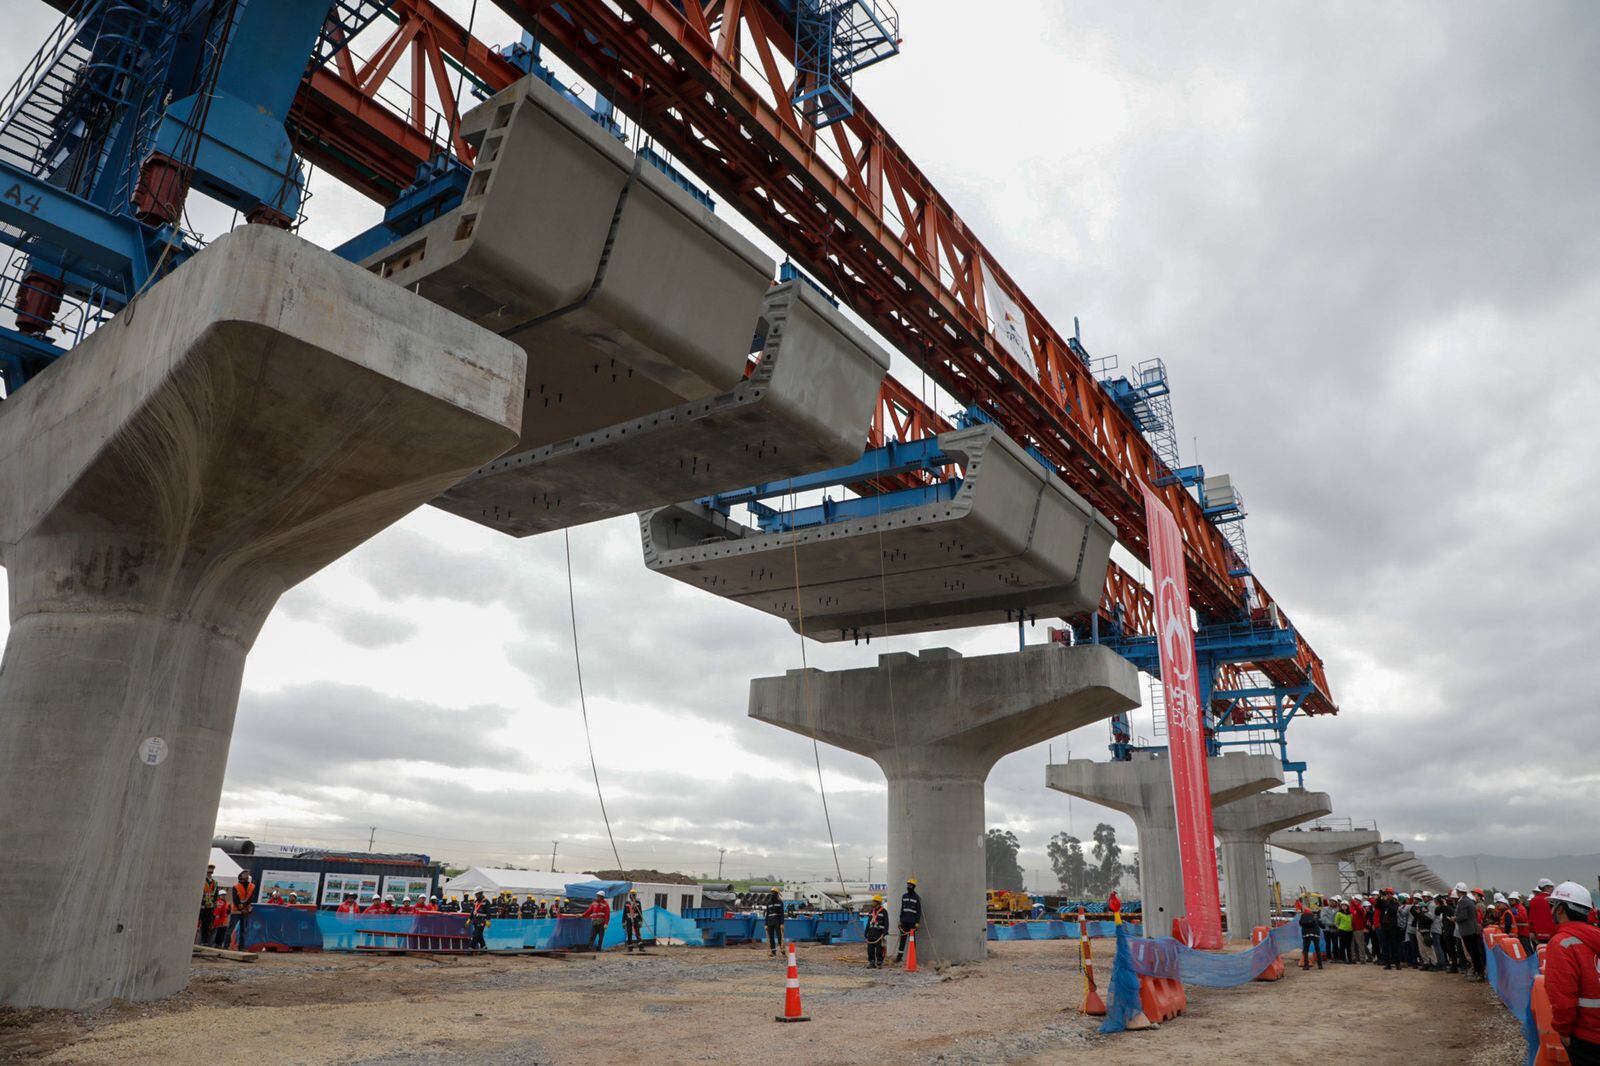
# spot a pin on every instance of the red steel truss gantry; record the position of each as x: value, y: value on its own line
x: 711, y: 82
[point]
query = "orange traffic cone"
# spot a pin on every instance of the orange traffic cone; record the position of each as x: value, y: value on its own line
x: 1092, y: 1003
x: 791, y: 994
x: 911, y: 954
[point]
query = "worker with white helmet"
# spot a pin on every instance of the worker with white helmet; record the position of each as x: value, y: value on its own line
x: 1572, y: 974
x: 1470, y: 930
x: 1539, y: 920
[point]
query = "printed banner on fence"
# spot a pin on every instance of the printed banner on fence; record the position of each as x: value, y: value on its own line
x: 298, y: 883
x: 1007, y: 323
x: 1186, y: 742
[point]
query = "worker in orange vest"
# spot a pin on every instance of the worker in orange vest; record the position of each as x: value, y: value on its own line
x: 241, y: 898
x: 1572, y: 974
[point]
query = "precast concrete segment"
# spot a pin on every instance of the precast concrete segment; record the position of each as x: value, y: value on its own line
x: 935, y: 723
x: 1013, y: 537
x: 1323, y: 848
x: 628, y: 296
x: 804, y: 407
x: 1141, y: 788
x: 1242, y: 828
x: 248, y: 420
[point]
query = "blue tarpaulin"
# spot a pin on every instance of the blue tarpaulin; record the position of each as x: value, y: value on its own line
x: 296, y: 927
x: 580, y: 890
x: 1513, y: 983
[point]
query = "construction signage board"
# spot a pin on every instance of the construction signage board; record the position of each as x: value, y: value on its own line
x: 300, y: 882
x: 334, y: 887
x: 401, y: 887
x: 1186, y: 742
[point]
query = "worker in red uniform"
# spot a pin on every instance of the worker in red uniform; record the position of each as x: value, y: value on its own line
x: 1572, y: 974
x: 348, y: 905
x: 599, y: 913
x: 1520, y: 927
x: 1539, y: 912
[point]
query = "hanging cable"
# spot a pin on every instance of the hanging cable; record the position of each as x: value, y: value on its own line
x: 805, y: 685
x: 583, y: 703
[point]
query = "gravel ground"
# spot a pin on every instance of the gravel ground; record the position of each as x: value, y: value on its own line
x: 687, y: 1005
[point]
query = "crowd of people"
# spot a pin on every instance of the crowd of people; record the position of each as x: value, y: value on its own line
x: 1443, y: 933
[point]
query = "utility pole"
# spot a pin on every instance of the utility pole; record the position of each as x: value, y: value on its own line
x: 869, y: 870
x: 553, y: 844
x: 371, y: 837
x: 720, y: 853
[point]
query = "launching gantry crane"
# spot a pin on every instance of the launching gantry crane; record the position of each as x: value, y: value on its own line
x: 130, y: 107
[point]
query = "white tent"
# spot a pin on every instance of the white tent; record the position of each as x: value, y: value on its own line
x: 493, y: 880
x: 227, y: 870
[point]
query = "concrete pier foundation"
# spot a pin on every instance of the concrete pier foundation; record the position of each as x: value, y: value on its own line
x: 936, y: 723
x: 253, y: 417
x: 1007, y: 535
x: 1242, y: 828
x: 1324, y: 848
x: 1141, y: 788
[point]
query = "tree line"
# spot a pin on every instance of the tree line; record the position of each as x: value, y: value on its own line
x: 1089, y: 874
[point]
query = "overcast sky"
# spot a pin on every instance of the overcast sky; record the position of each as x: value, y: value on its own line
x: 1364, y: 237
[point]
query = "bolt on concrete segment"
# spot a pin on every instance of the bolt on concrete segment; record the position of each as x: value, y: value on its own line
x: 251, y: 418
x: 1013, y: 537
x: 1242, y: 829
x: 956, y: 717
x: 1324, y: 848
x: 1141, y: 788
x: 671, y: 319
x: 801, y: 409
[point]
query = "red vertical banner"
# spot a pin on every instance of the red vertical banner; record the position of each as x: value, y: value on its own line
x: 1186, y: 742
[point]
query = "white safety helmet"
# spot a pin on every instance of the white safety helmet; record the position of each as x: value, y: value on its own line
x: 1498, y: 898
x: 1515, y: 895
x: 1545, y: 884
x: 1461, y: 886
x: 1573, y: 895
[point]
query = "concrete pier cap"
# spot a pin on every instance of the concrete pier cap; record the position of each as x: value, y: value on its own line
x: 1242, y: 829
x: 1141, y: 788
x: 935, y: 723
x: 251, y: 418
x: 1324, y: 848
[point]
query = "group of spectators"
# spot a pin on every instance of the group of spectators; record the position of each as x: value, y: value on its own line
x: 1437, y: 932
x: 1443, y: 932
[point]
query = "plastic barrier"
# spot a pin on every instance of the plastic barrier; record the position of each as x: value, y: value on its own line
x: 294, y: 927
x: 1053, y: 930
x: 1512, y: 973
x: 1274, y: 970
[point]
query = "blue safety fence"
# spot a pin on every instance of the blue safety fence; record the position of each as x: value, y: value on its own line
x: 1513, y: 983
x: 1167, y: 957
x: 720, y: 928
x: 1053, y: 930
x: 300, y: 927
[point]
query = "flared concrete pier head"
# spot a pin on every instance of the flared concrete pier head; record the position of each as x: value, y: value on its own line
x: 1324, y: 848
x: 1242, y: 829
x: 936, y: 723
x: 1141, y: 788
x: 253, y: 417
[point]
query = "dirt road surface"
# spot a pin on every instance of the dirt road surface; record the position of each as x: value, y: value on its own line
x: 695, y: 1005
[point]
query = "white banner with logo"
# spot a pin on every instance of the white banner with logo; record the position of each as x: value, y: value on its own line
x: 1007, y: 323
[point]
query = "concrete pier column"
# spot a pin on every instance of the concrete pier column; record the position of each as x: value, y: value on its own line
x: 936, y: 723
x: 1141, y: 788
x: 251, y: 418
x: 1324, y: 848
x: 1242, y: 828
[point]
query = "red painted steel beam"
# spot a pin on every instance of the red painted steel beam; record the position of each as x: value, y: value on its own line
x: 878, y: 233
